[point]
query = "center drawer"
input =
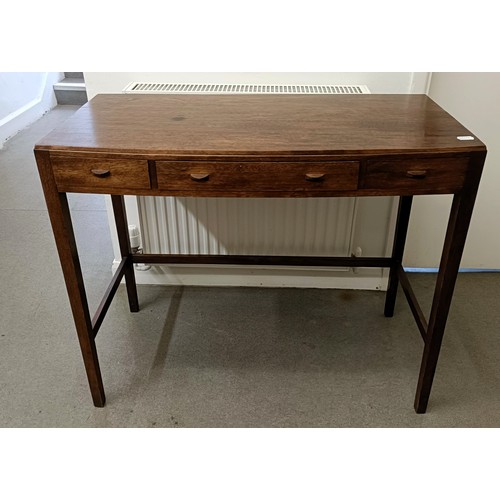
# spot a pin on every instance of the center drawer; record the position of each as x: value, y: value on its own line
x: 268, y: 176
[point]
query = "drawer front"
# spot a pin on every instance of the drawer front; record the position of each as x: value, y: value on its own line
x: 240, y: 177
x: 426, y: 175
x: 96, y: 175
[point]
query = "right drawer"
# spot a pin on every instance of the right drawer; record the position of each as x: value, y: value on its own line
x: 415, y: 175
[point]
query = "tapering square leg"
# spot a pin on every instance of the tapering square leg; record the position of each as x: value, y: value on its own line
x: 456, y: 234
x: 124, y: 241
x: 461, y: 212
x: 398, y: 247
x: 60, y: 218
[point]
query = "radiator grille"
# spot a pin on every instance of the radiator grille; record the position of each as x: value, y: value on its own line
x: 241, y: 88
x: 228, y: 226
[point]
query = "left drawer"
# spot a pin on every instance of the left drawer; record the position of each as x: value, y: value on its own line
x: 99, y: 176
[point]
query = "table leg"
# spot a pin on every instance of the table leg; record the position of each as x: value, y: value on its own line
x: 398, y: 247
x: 60, y: 218
x: 456, y: 233
x: 124, y: 241
x: 448, y: 270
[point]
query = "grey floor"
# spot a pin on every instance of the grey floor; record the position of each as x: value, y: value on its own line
x: 220, y: 357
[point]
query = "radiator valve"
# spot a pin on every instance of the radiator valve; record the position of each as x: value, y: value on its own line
x: 135, y: 245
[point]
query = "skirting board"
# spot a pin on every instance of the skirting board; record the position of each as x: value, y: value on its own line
x: 31, y: 111
x: 303, y: 277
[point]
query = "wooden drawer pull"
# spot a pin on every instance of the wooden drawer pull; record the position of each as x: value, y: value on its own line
x: 314, y: 177
x: 416, y: 174
x: 100, y: 173
x: 199, y: 177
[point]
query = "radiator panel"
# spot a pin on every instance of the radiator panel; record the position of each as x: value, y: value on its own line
x: 310, y: 226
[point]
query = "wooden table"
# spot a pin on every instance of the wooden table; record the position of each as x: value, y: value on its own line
x: 262, y: 146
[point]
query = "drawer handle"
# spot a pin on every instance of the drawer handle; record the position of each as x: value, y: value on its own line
x: 199, y: 177
x: 314, y: 177
x: 416, y: 174
x: 100, y: 173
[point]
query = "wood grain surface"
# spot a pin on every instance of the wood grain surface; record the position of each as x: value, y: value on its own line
x: 260, y: 125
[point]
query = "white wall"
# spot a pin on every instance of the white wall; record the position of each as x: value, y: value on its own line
x: 390, y: 83
x: 24, y: 97
x: 474, y: 100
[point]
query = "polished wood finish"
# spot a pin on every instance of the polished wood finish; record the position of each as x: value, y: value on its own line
x: 262, y: 146
x: 259, y: 125
x: 404, y: 210
x: 256, y: 176
x: 219, y: 136
x: 262, y: 260
x: 57, y: 205
x: 413, y: 303
x: 123, y: 239
x: 417, y: 175
x: 456, y: 234
x: 103, y: 307
x: 96, y: 175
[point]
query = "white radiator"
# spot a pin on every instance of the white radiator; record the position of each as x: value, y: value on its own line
x: 312, y: 226
x: 240, y: 88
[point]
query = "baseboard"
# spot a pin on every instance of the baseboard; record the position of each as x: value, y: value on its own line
x: 199, y: 275
x: 29, y: 112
